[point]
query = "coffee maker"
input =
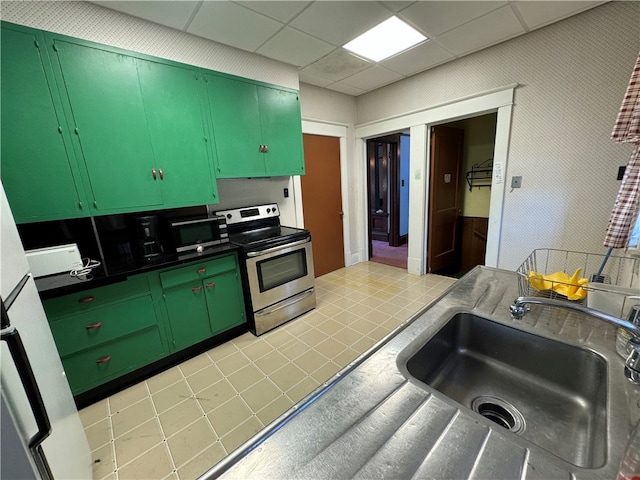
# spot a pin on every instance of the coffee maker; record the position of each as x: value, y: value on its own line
x: 148, y: 236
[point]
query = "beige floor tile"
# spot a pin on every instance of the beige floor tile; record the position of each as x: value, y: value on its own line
x: 330, y: 327
x: 259, y: 348
x: 103, y: 461
x: 313, y: 337
x: 137, y: 441
x: 314, y: 318
x: 245, y: 377
x: 378, y: 333
x: 215, y: 395
x: 172, y: 476
x: 261, y: 394
x: 360, y: 309
x: 362, y: 345
x: 244, y: 340
x: 297, y: 327
x: 287, y: 376
x: 271, y: 362
x: 189, y: 442
x: 195, y: 364
x: 127, y: 418
x: 346, y: 317
x: 344, y: 302
x: 302, y: 389
x: 204, y: 378
x: 94, y: 413
x: 276, y: 408
x: 233, y: 363
x: 99, y: 433
x: 348, y: 336
x: 241, y: 434
x: 156, y: 463
x: 310, y: 361
x: 389, y: 308
x: 171, y: 396
x: 128, y: 397
x: 325, y: 372
x: 178, y: 417
x: 278, y: 337
x: 164, y: 379
x: 392, y: 323
x: 294, y: 349
x: 222, y: 351
x: 330, y: 348
x: 346, y: 357
x: 362, y: 326
x: 378, y: 317
x: 229, y: 415
x: 329, y: 309
x: 203, y: 462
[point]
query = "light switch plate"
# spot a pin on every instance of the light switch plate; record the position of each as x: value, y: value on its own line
x: 516, y: 182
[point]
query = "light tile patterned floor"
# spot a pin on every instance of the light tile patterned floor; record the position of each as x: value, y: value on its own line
x: 179, y: 423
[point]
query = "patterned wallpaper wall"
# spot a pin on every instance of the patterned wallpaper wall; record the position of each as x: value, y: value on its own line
x: 572, y: 77
x: 98, y: 24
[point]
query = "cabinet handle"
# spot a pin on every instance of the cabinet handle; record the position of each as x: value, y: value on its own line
x: 86, y: 300
x: 153, y: 172
x: 95, y: 325
x: 196, y: 289
x: 104, y: 360
x: 161, y: 174
x: 210, y: 285
x: 201, y: 270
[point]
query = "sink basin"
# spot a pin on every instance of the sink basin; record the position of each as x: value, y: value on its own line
x: 551, y: 393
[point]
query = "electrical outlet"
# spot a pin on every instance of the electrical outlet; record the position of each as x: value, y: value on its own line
x: 286, y: 193
x: 516, y: 182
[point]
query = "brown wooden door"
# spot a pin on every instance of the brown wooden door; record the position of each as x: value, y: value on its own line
x: 322, y: 201
x: 444, y: 197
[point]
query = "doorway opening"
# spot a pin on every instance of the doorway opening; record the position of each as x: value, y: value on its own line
x: 459, y: 194
x: 388, y: 198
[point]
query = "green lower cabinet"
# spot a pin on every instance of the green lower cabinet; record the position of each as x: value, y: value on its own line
x: 111, y: 360
x: 224, y: 301
x: 188, y: 316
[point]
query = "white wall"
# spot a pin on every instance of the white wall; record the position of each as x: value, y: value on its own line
x: 572, y: 76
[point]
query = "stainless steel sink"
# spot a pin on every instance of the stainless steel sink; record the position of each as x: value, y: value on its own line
x: 551, y: 393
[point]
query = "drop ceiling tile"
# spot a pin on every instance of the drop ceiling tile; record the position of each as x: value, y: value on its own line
x: 340, y: 22
x: 231, y: 24
x: 372, y: 78
x: 171, y: 14
x: 295, y: 48
x: 305, y: 77
x: 281, y: 11
x: 437, y: 17
x: 539, y: 14
x: 422, y: 57
x: 348, y: 89
x: 337, y: 65
x: 487, y: 30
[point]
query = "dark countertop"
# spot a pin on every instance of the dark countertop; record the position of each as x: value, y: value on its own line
x: 54, y: 286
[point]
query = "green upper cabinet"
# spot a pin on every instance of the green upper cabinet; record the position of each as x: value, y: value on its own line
x: 257, y: 129
x: 174, y: 113
x: 37, y: 174
x: 109, y: 119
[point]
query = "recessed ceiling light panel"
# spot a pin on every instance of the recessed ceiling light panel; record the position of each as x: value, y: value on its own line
x: 386, y: 39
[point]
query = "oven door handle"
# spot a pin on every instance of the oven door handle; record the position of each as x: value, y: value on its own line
x: 292, y: 300
x: 279, y: 247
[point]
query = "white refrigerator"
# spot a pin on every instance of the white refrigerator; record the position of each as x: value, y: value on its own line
x: 42, y: 436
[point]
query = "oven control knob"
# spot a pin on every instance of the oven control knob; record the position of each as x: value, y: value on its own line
x: 268, y: 210
x: 228, y: 215
x: 199, y: 249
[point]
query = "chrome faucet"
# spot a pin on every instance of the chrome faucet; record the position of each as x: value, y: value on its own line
x: 632, y: 326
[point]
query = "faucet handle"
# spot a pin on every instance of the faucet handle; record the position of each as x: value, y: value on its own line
x: 519, y: 310
x: 632, y: 364
x: 634, y: 315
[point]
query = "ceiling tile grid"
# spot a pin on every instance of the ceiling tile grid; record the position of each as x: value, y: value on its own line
x: 98, y: 24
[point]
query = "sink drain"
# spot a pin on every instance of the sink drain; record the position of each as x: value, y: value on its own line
x: 500, y: 412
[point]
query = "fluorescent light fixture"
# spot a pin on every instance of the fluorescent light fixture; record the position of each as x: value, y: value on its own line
x: 382, y: 41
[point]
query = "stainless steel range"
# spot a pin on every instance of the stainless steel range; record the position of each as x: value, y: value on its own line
x: 279, y: 264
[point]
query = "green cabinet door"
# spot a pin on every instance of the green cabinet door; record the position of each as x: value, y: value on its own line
x: 281, y: 131
x: 36, y: 170
x: 108, y: 114
x: 188, y: 316
x: 173, y: 109
x: 224, y: 301
x: 235, y: 120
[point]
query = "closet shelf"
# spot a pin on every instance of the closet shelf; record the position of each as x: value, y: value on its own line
x: 480, y: 174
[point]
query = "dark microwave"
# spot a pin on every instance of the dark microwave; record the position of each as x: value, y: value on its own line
x: 197, y: 234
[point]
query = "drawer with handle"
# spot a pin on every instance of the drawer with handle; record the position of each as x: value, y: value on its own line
x: 96, y: 366
x: 196, y: 271
x: 88, y: 329
x: 96, y: 297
